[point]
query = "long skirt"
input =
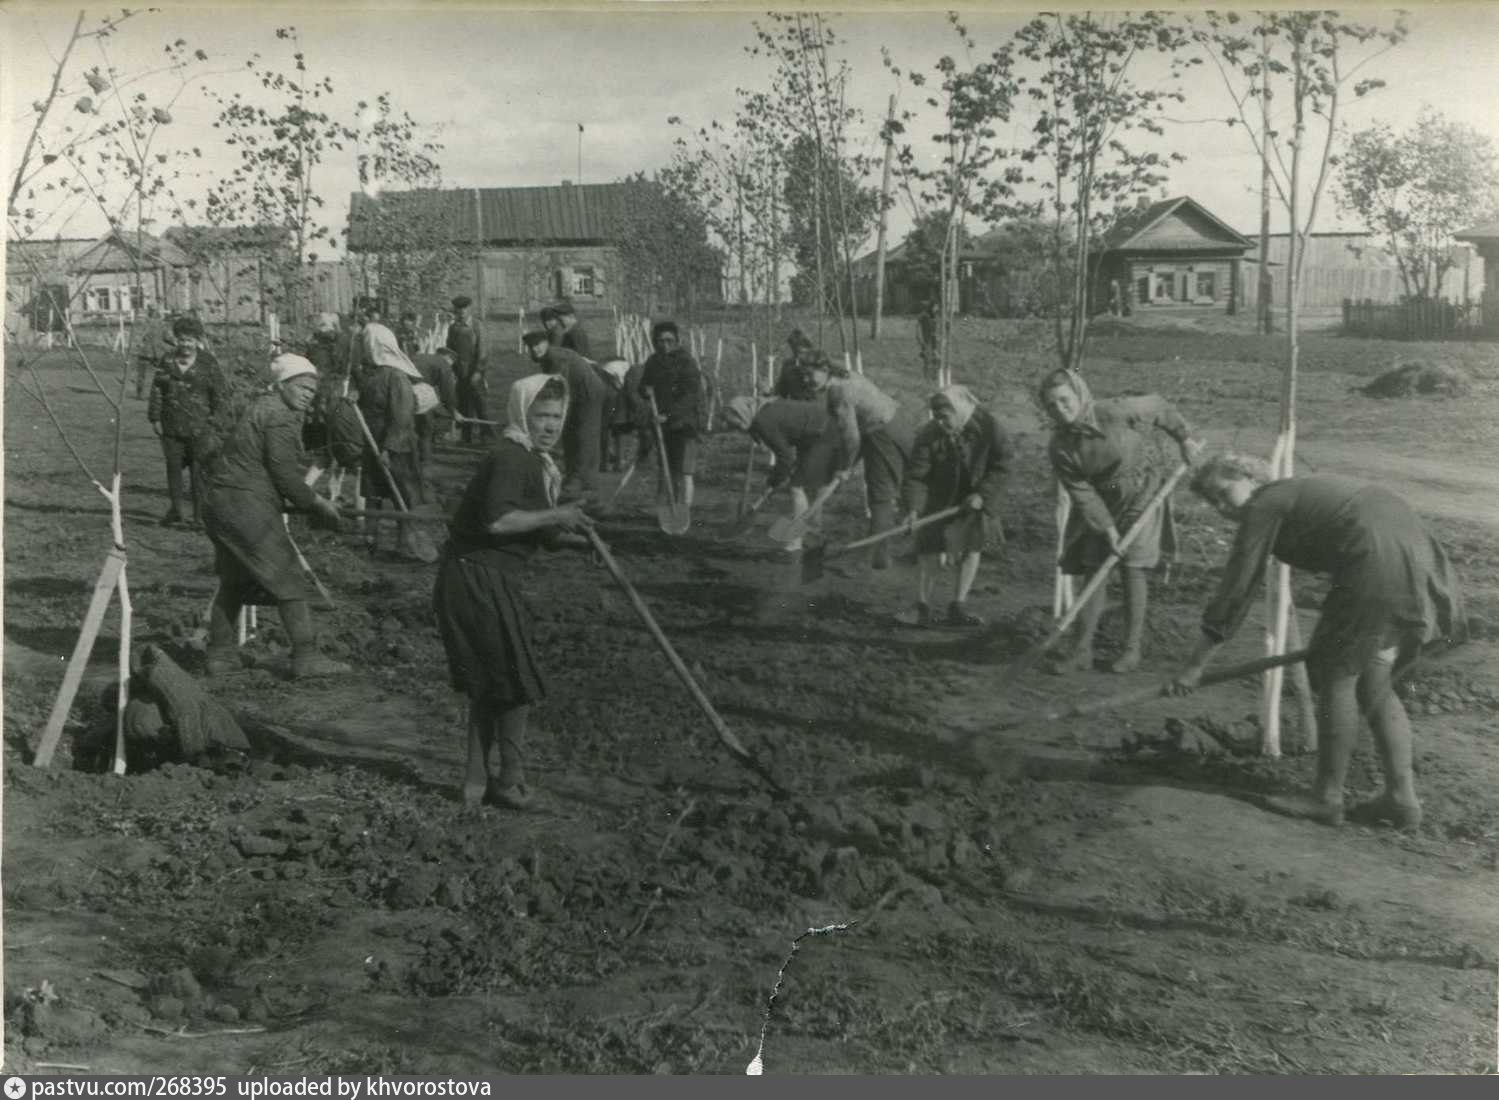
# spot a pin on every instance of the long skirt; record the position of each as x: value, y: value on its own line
x: 1087, y: 549
x: 253, y: 555
x: 486, y: 632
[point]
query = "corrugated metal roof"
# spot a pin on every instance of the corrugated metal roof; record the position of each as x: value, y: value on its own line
x: 572, y: 213
x: 1488, y: 231
x: 228, y: 238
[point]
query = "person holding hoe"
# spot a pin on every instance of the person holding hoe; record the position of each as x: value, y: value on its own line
x: 793, y: 431
x: 961, y: 457
x: 388, y: 404
x: 258, y: 477
x: 189, y: 396
x: 1393, y: 591
x: 864, y: 417
x: 1100, y: 453
x: 509, y: 510
x: 671, y: 375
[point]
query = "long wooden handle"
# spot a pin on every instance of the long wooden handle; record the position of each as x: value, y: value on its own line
x: 725, y: 735
x: 903, y: 529
x: 629, y: 473
x: 1142, y: 694
x: 671, y: 490
x: 1101, y: 576
x: 390, y: 478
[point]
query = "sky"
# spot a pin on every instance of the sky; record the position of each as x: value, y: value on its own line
x: 504, y: 90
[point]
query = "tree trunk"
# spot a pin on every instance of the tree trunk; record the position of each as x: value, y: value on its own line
x: 1265, y: 318
x: 877, y: 313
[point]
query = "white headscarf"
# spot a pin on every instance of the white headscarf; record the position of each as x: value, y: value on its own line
x: 383, y: 349
x: 522, y: 396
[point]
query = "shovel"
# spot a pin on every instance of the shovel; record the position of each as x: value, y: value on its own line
x: 673, y: 518
x: 1101, y: 576
x: 418, y: 540
x: 746, y: 518
x: 725, y: 735
x: 620, y: 488
x: 790, y: 528
x: 814, y: 559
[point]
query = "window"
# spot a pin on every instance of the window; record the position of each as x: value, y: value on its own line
x: 1142, y: 289
x: 1207, y: 284
x: 583, y: 281
x: 1165, y: 285
x: 100, y: 299
x: 137, y: 298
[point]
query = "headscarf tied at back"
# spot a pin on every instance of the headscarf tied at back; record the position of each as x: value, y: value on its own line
x: 962, y: 402
x: 1079, y: 386
x: 382, y: 349
x: 740, y: 412
x: 523, y: 392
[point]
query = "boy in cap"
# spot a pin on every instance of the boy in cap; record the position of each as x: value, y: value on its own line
x: 574, y: 335
x: 672, y: 375
x: 257, y: 478
x: 468, y: 365
x: 187, y: 395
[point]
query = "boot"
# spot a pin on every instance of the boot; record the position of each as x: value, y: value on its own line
x: 959, y: 615
x: 306, y: 661
x: 920, y: 615
x: 223, y: 658
x: 882, y: 518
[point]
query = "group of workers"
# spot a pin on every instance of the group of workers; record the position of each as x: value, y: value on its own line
x: 1393, y: 589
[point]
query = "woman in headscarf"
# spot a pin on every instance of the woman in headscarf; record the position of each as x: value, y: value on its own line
x: 794, y: 431
x: 508, y: 509
x: 1100, y: 451
x: 961, y: 457
x: 257, y: 476
x: 1393, y: 591
x: 388, y: 402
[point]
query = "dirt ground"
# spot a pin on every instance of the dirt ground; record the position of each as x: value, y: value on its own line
x: 1099, y: 896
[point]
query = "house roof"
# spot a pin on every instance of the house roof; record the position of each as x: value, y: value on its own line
x: 1130, y: 233
x: 116, y: 251
x: 1488, y: 231
x: 228, y: 238
x: 571, y: 213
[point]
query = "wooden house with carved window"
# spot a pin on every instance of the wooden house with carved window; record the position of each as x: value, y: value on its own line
x: 1174, y: 252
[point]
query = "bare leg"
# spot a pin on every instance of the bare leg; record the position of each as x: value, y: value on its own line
x: 1392, y: 737
x: 958, y: 613
x: 1081, y: 657
x: 799, y: 505
x: 508, y: 785
x: 926, y: 582
x: 480, y: 742
x: 1337, y: 726
x: 1136, y: 599
x: 687, y: 486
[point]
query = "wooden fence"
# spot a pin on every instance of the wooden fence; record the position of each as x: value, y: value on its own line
x: 1424, y: 320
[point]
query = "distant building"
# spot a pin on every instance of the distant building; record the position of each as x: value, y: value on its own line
x: 236, y: 270
x: 1174, y: 252
x: 1352, y: 265
x: 513, y: 248
x: 1485, y: 240
x: 92, y: 281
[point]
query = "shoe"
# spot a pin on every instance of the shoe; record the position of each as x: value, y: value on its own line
x: 959, y: 615
x: 1305, y: 806
x: 172, y: 518
x: 920, y: 615
x: 1080, y: 660
x: 517, y: 796
x: 316, y: 664
x: 1128, y: 661
x: 219, y: 664
x: 1385, y: 810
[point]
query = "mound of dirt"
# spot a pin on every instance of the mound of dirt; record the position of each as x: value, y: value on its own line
x: 1416, y: 379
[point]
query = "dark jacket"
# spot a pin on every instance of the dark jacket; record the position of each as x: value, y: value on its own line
x: 389, y: 408
x: 439, y: 376
x: 185, y: 404
x: 790, y: 429
x: 677, y: 383
x: 945, y: 470
x: 576, y: 339
x: 463, y: 338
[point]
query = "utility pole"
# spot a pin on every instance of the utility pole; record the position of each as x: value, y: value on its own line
x: 580, y: 154
x: 879, y: 254
x: 1265, y: 319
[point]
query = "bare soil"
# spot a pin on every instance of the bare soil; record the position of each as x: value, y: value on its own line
x: 1101, y: 895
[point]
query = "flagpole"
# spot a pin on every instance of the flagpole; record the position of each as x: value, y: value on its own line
x: 580, y: 153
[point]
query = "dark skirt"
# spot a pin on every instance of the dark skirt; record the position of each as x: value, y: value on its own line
x: 1087, y: 549
x: 403, y: 467
x: 486, y: 632
x: 253, y: 555
x: 969, y: 533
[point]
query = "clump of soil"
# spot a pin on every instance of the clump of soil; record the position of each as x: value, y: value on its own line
x: 1416, y: 379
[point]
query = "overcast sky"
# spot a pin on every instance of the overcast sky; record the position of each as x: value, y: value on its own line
x: 504, y: 90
